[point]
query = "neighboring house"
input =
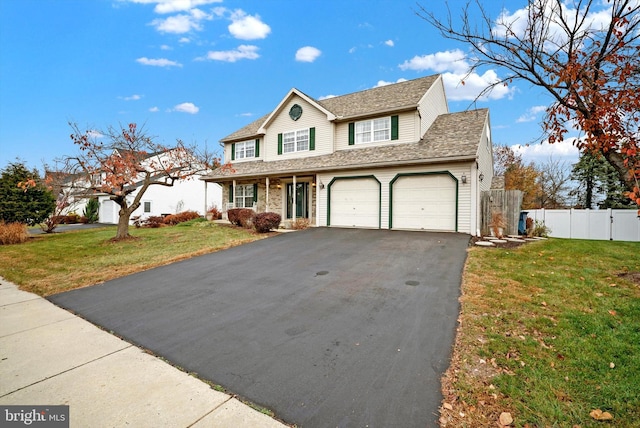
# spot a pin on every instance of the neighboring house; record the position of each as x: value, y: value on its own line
x: 391, y: 157
x: 189, y: 194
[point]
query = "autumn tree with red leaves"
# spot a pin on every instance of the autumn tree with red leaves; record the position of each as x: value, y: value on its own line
x: 124, y: 162
x: 589, y: 63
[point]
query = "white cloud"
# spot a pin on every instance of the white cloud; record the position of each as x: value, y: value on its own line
x: 184, y: 40
x: 94, y: 134
x: 154, y: 109
x: 187, y: 108
x: 531, y: 114
x: 172, y: 6
x: 166, y: 48
x: 326, y: 97
x: 182, y: 23
x: 384, y: 83
x: 454, y: 61
x: 134, y: 97
x: 459, y: 85
x: 389, y: 43
x: 242, y: 52
x: 159, y: 62
x: 541, y: 152
x: 516, y: 23
x: 247, y: 27
x: 307, y: 54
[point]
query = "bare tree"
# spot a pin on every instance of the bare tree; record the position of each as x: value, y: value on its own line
x: 588, y: 64
x: 554, y: 184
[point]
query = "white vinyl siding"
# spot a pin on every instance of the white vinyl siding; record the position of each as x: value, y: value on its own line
x: 432, y: 104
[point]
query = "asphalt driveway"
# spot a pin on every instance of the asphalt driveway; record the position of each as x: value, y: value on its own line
x: 326, y: 327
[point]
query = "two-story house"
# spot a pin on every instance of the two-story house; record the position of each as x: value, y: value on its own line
x: 391, y: 157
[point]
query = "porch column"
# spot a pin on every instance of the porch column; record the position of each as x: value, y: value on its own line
x: 233, y: 201
x: 293, y: 208
x: 266, y: 199
x: 205, y: 198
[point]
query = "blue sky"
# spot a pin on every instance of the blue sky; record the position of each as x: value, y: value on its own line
x: 197, y: 70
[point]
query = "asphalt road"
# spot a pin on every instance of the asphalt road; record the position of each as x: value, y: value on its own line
x: 326, y: 327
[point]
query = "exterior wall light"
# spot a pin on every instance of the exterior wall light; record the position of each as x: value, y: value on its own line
x: 481, y: 176
x: 463, y: 179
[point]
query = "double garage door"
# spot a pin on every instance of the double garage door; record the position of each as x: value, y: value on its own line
x: 417, y: 202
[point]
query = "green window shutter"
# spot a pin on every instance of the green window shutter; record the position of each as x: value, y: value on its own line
x: 352, y: 133
x: 255, y: 192
x: 394, y: 127
x: 312, y: 138
x: 233, y: 151
x: 231, y: 192
x: 257, y: 147
x: 279, y: 144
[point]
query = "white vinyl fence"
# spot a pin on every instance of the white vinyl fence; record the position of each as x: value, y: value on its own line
x: 609, y: 224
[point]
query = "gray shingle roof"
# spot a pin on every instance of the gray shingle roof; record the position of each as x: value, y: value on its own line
x: 392, y: 97
x: 452, y: 137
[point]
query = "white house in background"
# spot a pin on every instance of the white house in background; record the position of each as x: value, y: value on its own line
x: 185, y: 195
x: 391, y: 157
x: 188, y: 194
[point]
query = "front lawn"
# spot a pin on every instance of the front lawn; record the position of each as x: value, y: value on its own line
x: 550, y: 333
x: 53, y: 263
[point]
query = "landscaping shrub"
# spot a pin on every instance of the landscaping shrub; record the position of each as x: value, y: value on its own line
x: 214, y: 213
x: 241, y: 216
x: 153, y: 221
x: 174, y: 219
x: 245, y: 217
x: 232, y: 215
x: 13, y: 233
x: 264, y: 222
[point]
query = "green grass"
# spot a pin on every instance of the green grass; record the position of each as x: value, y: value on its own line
x: 53, y: 263
x: 553, y: 331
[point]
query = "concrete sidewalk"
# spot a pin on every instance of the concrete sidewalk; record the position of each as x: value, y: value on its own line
x: 49, y: 356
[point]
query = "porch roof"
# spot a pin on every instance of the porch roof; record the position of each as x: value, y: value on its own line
x: 453, y: 137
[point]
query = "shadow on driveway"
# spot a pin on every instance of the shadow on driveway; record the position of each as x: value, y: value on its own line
x: 326, y: 327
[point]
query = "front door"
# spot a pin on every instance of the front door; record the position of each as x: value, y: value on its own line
x: 302, y: 199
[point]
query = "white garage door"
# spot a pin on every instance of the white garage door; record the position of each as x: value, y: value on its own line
x: 355, y: 202
x: 108, y: 212
x: 425, y: 202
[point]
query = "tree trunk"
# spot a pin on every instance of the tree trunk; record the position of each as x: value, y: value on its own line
x: 123, y: 224
x: 617, y: 162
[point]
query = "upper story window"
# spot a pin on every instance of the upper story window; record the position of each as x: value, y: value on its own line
x: 244, y: 150
x: 373, y: 130
x: 296, y: 141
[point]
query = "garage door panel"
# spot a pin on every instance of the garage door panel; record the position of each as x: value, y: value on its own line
x: 355, y: 203
x: 424, y: 202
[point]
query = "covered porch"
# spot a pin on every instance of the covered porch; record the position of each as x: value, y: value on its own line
x: 294, y: 197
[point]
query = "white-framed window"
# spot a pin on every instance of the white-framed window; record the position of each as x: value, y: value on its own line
x: 368, y: 131
x: 244, y: 196
x: 295, y: 141
x: 245, y: 149
x: 146, y: 207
